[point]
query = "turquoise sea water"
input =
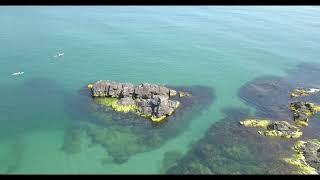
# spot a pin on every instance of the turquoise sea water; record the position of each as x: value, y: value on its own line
x: 220, y: 47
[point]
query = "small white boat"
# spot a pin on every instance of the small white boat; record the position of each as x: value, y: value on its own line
x: 313, y: 90
x: 17, y: 73
x: 58, y: 55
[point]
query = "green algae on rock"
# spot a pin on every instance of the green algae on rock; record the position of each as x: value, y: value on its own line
x: 302, y: 111
x: 282, y: 129
x: 306, y: 158
x: 147, y: 100
x: 258, y: 123
x: 123, y: 105
x: 276, y: 129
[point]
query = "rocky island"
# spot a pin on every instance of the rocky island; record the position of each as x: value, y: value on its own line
x: 147, y: 100
x: 126, y: 119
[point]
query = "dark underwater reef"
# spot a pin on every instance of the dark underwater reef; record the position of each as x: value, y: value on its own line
x: 229, y: 148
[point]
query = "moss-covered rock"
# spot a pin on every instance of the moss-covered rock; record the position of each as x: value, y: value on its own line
x: 147, y: 100
x: 275, y: 133
x: 275, y: 129
x: 302, y: 111
x: 258, y: 123
x: 282, y: 129
x: 117, y: 104
x: 306, y: 158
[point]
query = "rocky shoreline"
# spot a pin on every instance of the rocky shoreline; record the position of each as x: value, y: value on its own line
x: 147, y: 100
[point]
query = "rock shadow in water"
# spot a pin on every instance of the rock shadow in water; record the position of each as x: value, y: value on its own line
x: 29, y: 104
x: 11, y: 162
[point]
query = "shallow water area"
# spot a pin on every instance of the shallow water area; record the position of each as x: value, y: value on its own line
x: 221, y: 48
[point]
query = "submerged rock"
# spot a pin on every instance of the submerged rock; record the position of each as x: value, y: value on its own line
x: 228, y: 148
x: 170, y: 158
x: 147, y: 100
x: 302, y: 111
x: 193, y: 167
x: 120, y: 143
x: 268, y: 95
x: 306, y: 157
x: 276, y: 129
x: 73, y: 138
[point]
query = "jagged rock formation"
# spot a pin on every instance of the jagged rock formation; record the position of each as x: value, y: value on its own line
x: 147, y: 100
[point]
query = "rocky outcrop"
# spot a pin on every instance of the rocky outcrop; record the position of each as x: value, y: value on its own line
x: 304, y: 92
x: 184, y: 94
x: 277, y: 129
x: 302, y: 111
x: 147, y: 100
x: 104, y: 88
x: 282, y: 129
x: 307, y: 157
x: 258, y: 123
